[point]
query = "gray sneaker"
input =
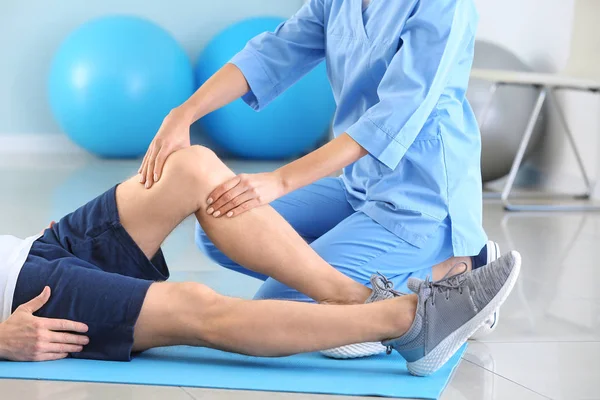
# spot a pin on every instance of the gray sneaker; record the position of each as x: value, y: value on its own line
x: 383, y: 289
x: 450, y: 310
x: 491, y: 252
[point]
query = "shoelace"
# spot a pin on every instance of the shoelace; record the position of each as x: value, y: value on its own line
x: 447, y: 283
x: 388, y: 285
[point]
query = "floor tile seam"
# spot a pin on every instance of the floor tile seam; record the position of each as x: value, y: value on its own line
x: 508, y: 379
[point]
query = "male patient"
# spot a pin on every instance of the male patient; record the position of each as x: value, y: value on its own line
x: 106, y: 270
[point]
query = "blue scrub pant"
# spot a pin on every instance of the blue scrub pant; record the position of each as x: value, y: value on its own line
x: 348, y: 240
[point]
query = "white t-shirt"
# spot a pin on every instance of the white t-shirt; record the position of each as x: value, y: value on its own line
x: 13, y: 253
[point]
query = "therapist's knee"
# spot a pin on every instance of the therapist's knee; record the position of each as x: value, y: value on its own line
x: 205, y: 245
x: 274, y: 290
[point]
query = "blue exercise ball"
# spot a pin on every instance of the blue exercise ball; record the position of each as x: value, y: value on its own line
x: 294, y: 123
x: 114, y: 80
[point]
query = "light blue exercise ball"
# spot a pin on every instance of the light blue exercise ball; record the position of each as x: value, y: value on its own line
x: 294, y: 123
x: 113, y: 81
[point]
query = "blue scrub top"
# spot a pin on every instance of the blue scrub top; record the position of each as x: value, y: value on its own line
x: 399, y: 73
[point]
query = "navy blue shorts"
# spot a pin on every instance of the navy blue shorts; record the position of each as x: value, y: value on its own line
x: 98, y: 276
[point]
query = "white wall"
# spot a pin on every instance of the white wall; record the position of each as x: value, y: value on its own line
x: 582, y: 109
x: 32, y: 30
x: 555, y: 36
x: 538, y: 31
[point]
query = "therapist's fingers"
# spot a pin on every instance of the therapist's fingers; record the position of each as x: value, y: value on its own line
x: 161, y: 158
x: 144, y: 167
x: 230, y: 200
x: 227, y: 209
x: 141, y: 168
x: 221, y: 190
x: 150, y: 167
x: 242, y: 208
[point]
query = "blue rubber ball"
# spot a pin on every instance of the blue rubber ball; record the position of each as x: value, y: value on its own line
x: 294, y: 123
x: 114, y: 80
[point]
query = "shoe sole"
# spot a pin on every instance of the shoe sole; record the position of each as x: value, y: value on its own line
x: 361, y: 350
x: 494, y: 254
x: 440, y: 355
x: 358, y: 350
x: 487, y: 329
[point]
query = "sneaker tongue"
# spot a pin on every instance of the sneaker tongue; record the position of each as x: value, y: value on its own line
x: 414, y: 284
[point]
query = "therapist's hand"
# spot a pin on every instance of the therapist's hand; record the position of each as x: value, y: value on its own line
x: 173, y: 135
x: 245, y: 192
x: 25, y: 337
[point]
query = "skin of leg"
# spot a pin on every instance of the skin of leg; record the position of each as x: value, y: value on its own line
x: 312, y: 211
x: 360, y: 247
x: 321, y: 210
x: 192, y: 314
x: 260, y: 240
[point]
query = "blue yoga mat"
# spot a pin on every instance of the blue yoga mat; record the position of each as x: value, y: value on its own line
x: 197, y: 367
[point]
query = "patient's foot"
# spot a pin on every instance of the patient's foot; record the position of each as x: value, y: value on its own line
x: 383, y: 289
x: 449, y: 311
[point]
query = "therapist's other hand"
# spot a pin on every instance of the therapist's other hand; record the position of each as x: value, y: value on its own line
x: 244, y: 192
x: 25, y: 337
x: 173, y: 135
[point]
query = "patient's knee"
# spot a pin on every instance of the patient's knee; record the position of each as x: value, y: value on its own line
x: 201, y: 155
x: 194, y: 158
x: 199, y: 167
x: 201, y: 296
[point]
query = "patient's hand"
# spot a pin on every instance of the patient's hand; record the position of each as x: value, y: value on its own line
x: 49, y: 227
x: 25, y: 337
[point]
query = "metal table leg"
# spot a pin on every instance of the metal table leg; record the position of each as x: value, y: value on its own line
x: 506, y: 194
x: 535, y: 114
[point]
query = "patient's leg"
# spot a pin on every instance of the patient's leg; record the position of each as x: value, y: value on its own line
x: 260, y: 240
x: 192, y: 314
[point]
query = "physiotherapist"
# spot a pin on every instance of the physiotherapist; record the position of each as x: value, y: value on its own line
x: 410, y: 195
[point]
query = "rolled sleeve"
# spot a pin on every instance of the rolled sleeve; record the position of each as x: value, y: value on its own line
x: 377, y: 142
x: 262, y: 88
x: 433, y: 41
x: 274, y: 61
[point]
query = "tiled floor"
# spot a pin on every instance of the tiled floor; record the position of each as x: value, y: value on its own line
x: 546, y: 346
